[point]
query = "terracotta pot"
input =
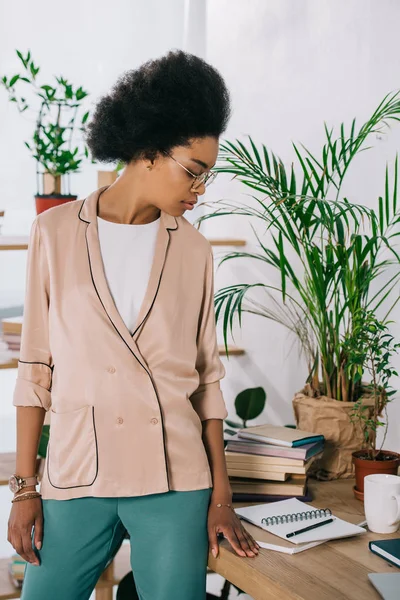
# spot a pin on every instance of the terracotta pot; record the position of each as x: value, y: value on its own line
x: 366, y: 466
x: 331, y: 418
x: 46, y: 201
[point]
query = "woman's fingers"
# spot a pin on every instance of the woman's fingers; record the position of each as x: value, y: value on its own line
x: 25, y: 515
x: 213, y: 541
x: 244, y: 542
x: 230, y: 534
x: 26, y: 539
x: 38, y: 537
x: 251, y: 541
x: 25, y: 551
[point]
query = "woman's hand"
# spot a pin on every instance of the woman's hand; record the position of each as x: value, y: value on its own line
x: 224, y: 520
x: 23, y: 516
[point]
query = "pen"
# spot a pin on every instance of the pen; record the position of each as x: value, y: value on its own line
x: 289, y: 535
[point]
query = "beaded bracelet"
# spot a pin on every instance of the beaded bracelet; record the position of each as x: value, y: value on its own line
x: 230, y: 505
x: 26, y: 496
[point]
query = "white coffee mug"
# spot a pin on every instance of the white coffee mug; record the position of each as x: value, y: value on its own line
x: 382, y: 502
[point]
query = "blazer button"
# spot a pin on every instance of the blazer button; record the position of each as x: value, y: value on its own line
x: 120, y: 420
x: 154, y: 421
x: 111, y: 369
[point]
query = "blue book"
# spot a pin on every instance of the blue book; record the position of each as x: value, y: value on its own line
x: 387, y: 549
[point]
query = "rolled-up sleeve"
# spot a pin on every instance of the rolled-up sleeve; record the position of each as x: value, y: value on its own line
x: 207, y: 399
x: 34, y: 374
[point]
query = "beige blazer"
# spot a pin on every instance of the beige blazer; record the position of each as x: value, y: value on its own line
x: 126, y: 410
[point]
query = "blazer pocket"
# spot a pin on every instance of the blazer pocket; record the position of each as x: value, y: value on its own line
x: 72, y: 453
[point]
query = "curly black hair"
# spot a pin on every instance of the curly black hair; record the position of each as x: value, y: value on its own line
x: 162, y: 104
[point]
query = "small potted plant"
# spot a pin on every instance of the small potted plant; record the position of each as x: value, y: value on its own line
x: 57, y: 141
x: 369, y: 349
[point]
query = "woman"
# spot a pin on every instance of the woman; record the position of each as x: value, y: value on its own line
x: 119, y: 343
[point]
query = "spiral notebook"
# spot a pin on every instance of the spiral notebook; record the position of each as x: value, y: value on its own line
x: 281, y: 518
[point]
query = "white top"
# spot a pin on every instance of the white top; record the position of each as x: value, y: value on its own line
x: 127, y: 251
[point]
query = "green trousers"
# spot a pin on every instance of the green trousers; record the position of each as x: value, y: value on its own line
x: 168, y: 538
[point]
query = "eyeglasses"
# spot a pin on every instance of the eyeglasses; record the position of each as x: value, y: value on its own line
x: 207, y: 177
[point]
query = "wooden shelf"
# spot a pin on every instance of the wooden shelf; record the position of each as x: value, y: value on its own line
x: 226, y: 242
x: 11, y: 242
x: 14, y: 242
x: 20, y: 242
x: 12, y: 363
x: 232, y: 350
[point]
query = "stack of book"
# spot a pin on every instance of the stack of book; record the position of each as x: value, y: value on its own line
x: 16, y: 570
x: 11, y: 333
x: 267, y: 463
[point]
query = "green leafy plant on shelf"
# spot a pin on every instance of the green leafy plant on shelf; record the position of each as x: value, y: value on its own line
x: 57, y: 141
x: 44, y: 440
x: 332, y: 256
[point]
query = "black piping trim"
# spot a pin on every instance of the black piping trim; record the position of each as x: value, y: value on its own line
x: 70, y: 487
x: 36, y: 362
x: 116, y: 329
x: 152, y: 304
x: 79, y: 213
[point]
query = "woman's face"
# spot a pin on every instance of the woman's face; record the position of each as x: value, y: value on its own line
x: 169, y: 186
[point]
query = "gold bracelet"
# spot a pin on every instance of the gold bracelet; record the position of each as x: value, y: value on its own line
x: 27, y: 492
x: 26, y: 496
x: 17, y: 495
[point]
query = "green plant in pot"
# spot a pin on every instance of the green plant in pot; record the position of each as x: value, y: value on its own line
x: 370, y: 348
x: 42, y: 450
x: 249, y: 404
x: 57, y: 142
x: 329, y: 256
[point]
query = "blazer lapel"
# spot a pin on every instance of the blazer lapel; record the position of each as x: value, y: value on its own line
x: 88, y: 214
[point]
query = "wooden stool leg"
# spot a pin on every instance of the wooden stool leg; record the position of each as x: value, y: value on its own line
x: 104, y: 586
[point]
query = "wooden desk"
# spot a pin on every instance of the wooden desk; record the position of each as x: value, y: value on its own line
x: 335, y: 570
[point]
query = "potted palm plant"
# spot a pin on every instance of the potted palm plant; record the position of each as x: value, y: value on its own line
x: 332, y: 256
x: 57, y: 142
